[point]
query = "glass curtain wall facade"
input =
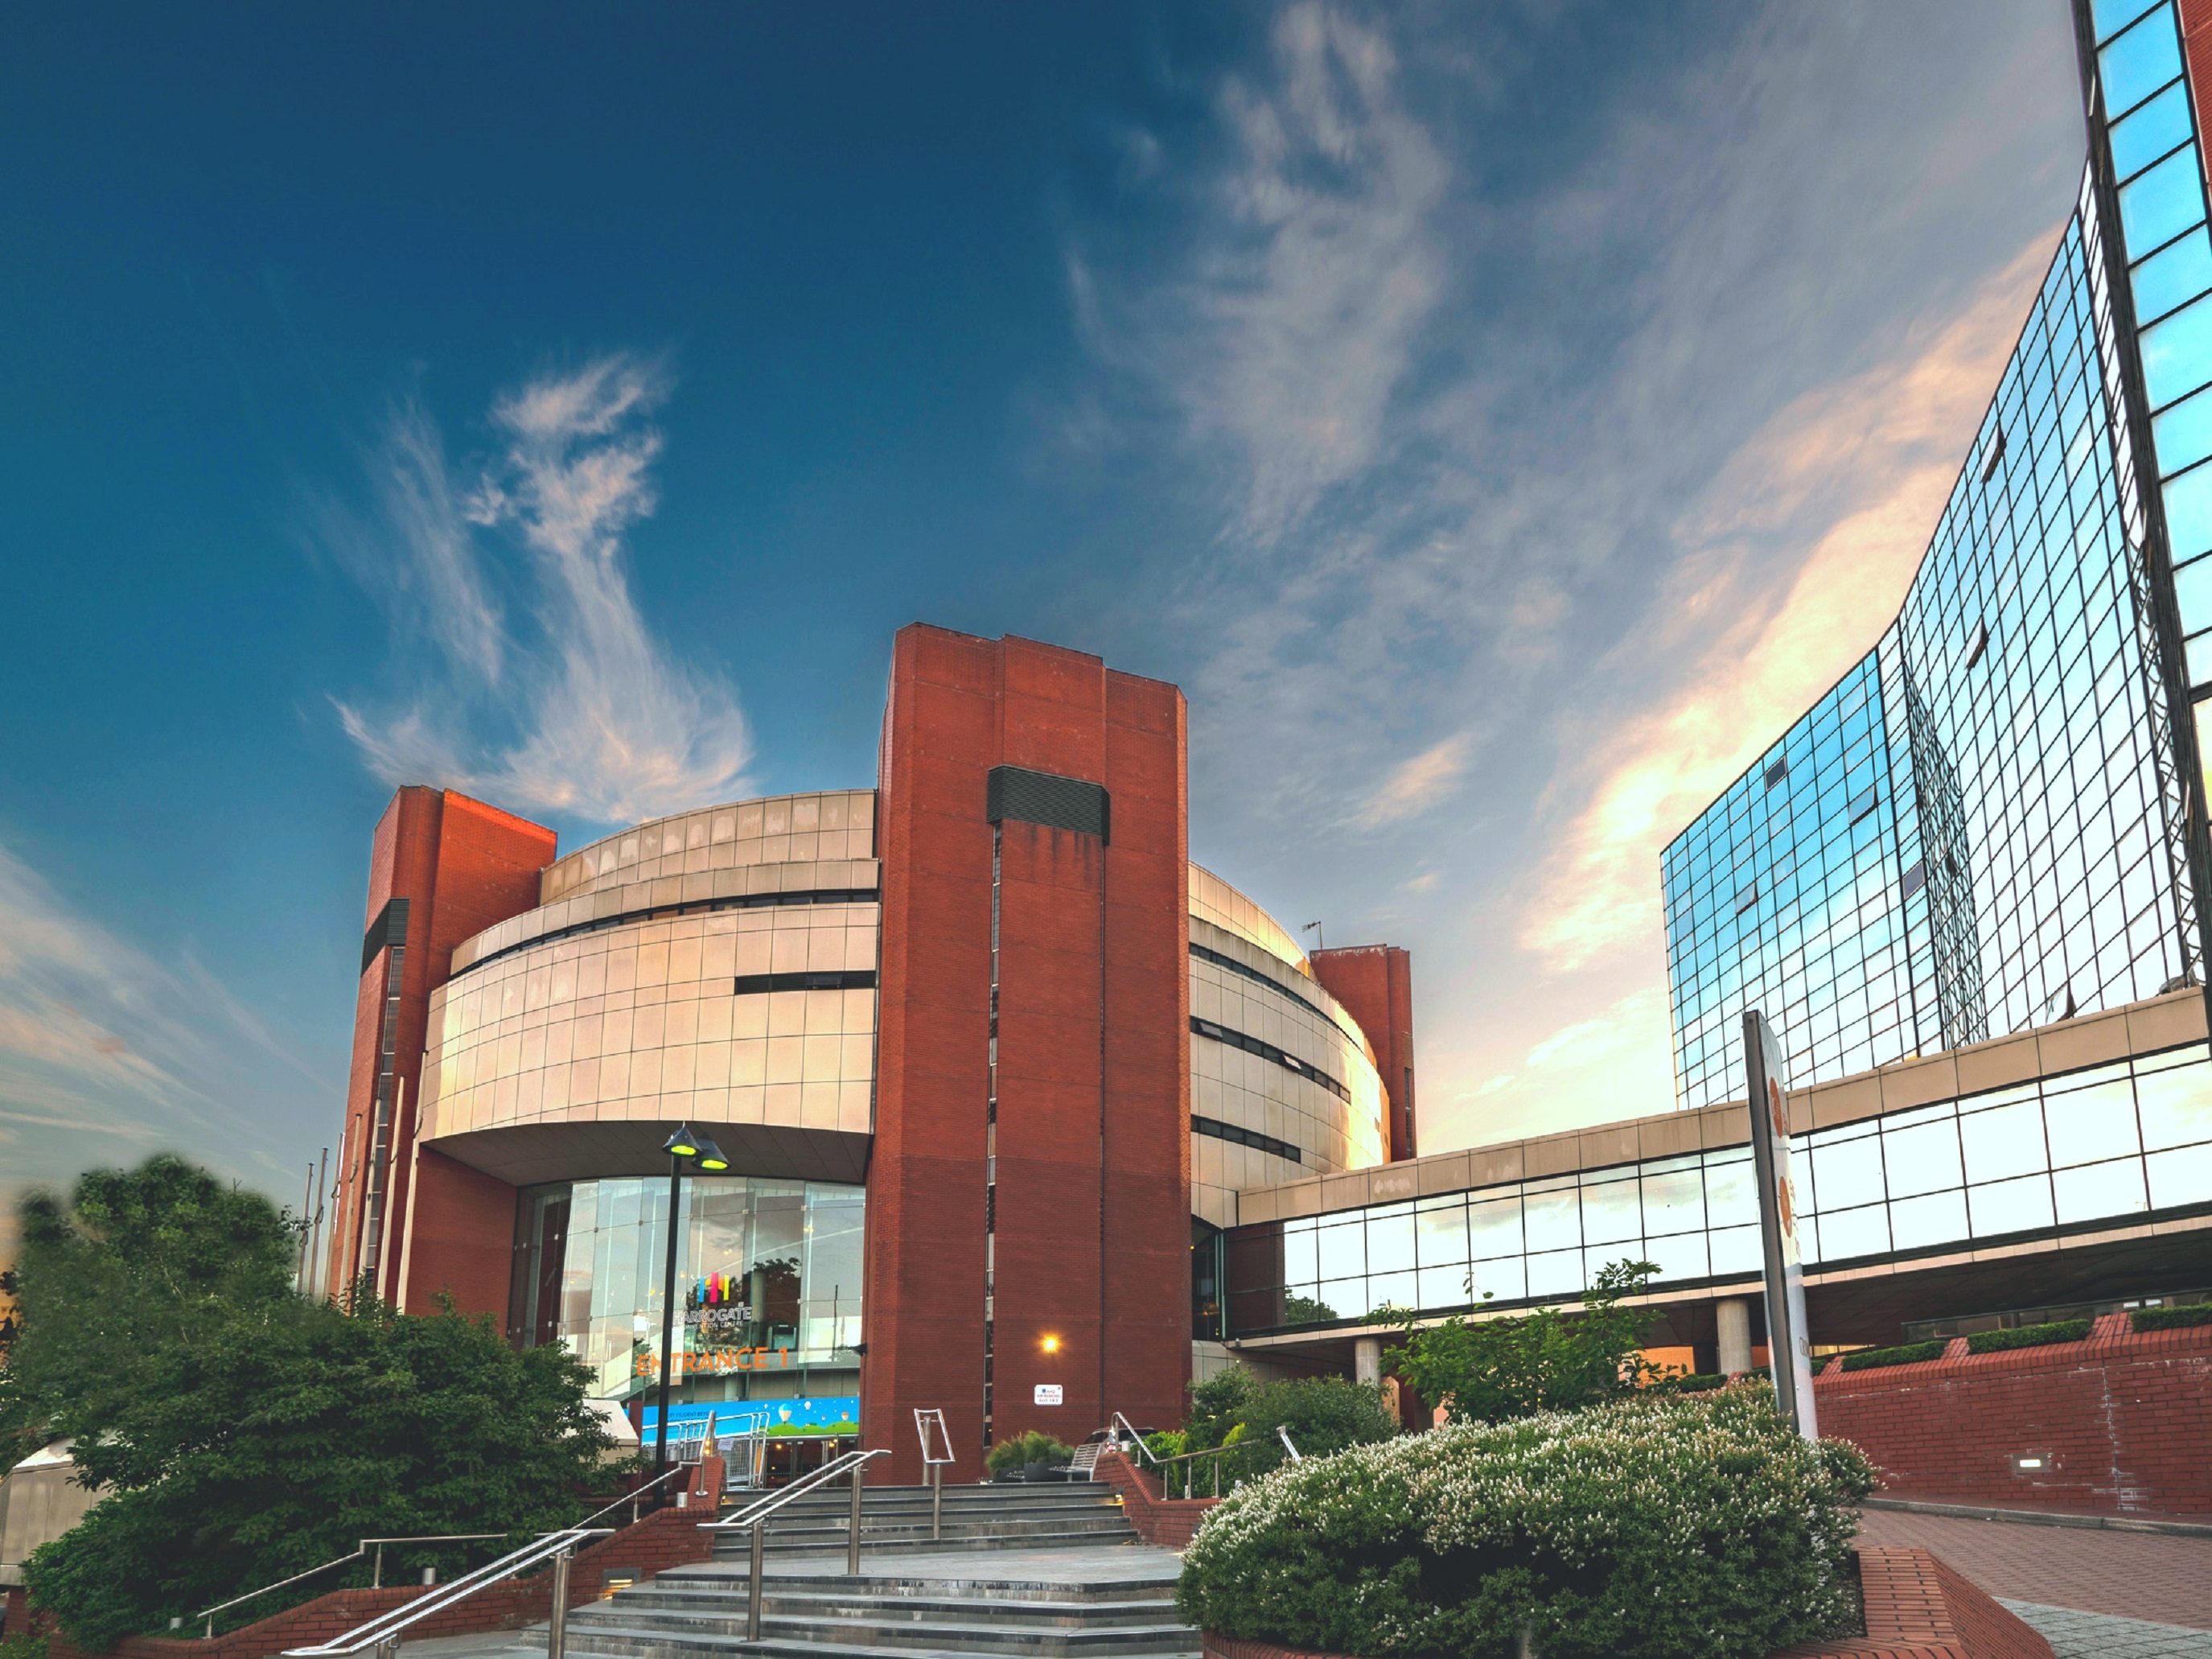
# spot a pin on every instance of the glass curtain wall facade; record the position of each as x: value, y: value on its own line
x: 767, y: 1279
x: 1985, y: 825
x: 2073, y: 1151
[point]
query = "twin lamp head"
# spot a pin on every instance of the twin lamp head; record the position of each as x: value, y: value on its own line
x: 701, y: 1149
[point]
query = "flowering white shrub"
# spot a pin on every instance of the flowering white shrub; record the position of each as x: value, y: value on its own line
x: 1663, y: 1525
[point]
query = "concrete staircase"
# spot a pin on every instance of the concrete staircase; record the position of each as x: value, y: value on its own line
x: 1073, y: 1516
x: 1020, y: 1569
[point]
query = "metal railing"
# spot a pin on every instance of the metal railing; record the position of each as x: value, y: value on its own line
x: 754, y: 1517
x: 376, y: 1580
x: 928, y: 1423
x: 1189, y: 1459
x: 382, y: 1632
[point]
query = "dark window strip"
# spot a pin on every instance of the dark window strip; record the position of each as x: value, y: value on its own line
x: 1220, y: 1131
x: 1252, y: 1045
x: 856, y: 979
x: 695, y: 908
x: 1257, y: 978
x: 390, y: 927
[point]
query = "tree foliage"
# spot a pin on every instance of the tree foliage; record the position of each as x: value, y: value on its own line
x: 1488, y: 1371
x: 135, y: 1263
x: 1663, y: 1526
x: 239, y: 1434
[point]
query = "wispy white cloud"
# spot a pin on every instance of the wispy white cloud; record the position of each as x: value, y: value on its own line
x: 108, y: 1054
x: 579, y: 709
x: 1420, y: 782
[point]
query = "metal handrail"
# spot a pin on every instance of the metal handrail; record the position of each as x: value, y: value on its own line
x: 1138, y: 1439
x: 383, y: 1631
x: 359, y: 1550
x: 754, y: 1517
x: 926, y: 1417
x: 761, y: 1509
x: 632, y: 1495
x: 1217, y: 1453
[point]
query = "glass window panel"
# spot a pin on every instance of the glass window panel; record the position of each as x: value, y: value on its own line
x: 1917, y: 1223
x: 1681, y: 1256
x: 1674, y: 1202
x: 1493, y: 1228
x: 1553, y: 1273
x: 1554, y: 1220
x: 1440, y: 1235
x: 1611, y: 1214
x: 1731, y: 1191
x: 1847, y: 1174
x: 2175, y: 1106
x: 2087, y: 1125
x: 1389, y: 1244
x: 1924, y: 1159
x: 2177, y: 353
x: 2173, y: 277
x: 1399, y: 1290
x: 2151, y: 131
x: 1300, y: 1266
x: 1854, y: 1232
x: 2010, y: 1207
x: 1345, y: 1297
x: 2004, y: 1141
x: 1343, y: 1250
x: 1507, y: 1280
x: 2113, y: 15
x: 2139, y: 63
x: 2161, y: 203
x: 2180, y: 1177
x: 2188, y: 519
x: 2098, y: 1189
x: 1736, y: 1250
x: 1442, y: 1287
x: 2184, y: 433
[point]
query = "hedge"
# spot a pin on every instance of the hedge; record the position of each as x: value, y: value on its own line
x: 1869, y: 1359
x: 1661, y: 1527
x: 2169, y: 1319
x: 1697, y: 1382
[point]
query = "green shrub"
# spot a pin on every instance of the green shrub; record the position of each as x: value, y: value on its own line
x: 1697, y: 1382
x: 1035, y: 1447
x: 2029, y: 1336
x: 1214, y: 1404
x: 1324, y: 1414
x: 22, y: 1647
x: 2170, y: 1319
x: 1911, y: 1353
x: 1657, y: 1525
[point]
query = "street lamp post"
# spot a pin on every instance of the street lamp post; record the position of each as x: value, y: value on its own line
x: 682, y: 1147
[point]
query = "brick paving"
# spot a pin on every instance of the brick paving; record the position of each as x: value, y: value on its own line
x: 2156, y: 1577
x: 2075, y: 1635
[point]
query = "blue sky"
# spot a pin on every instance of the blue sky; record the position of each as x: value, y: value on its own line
x: 1500, y: 420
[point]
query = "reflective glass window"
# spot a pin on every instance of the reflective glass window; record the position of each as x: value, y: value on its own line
x: 1343, y: 1248
x: 2003, y: 1141
x: 2175, y: 1106
x: 1552, y: 1273
x: 2140, y: 61
x: 1442, y: 1287
x: 1681, y: 1255
x: 2172, y: 276
x: 1493, y: 1227
x: 1505, y: 1279
x: 1552, y: 1220
x: 1847, y: 1173
x: 1847, y: 1233
x: 1389, y: 1242
x: 2177, y: 353
x: 2111, y: 16
x: 1674, y: 1201
x: 2010, y: 1207
x: 2163, y: 202
x: 2086, y: 1125
x: 2189, y: 524
x: 1399, y: 1290
x: 1731, y: 1190
x: 1921, y: 1157
x: 2095, y: 1190
x: 1610, y: 1211
x: 1916, y: 1224
x: 1736, y: 1250
x: 2158, y: 127
x: 1441, y: 1233
x: 2180, y: 1177
x: 2184, y: 433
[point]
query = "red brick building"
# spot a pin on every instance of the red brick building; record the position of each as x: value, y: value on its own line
x: 988, y: 1056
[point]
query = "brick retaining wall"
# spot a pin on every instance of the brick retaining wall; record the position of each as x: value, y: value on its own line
x: 667, y: 1538
x: 1169, y: 1522
x: 2123, y: 1422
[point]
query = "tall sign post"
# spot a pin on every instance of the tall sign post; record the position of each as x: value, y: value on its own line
x: 1788, y: 1348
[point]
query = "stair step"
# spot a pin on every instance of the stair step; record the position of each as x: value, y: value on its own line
x: 712, y: 1578
x: 832, y: 1639
x: 726, y: 1610
x: 927, y: 1546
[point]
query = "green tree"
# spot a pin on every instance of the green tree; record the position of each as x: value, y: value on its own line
x: 1488, y: 1371
x: 136, y: 1262
x: 1324, y: 1415
x: 284, y: 1432
x: 1214, y: 1404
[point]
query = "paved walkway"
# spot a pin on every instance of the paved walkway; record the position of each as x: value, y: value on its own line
x: 2074, y: 1635
x: 2130, y: 1575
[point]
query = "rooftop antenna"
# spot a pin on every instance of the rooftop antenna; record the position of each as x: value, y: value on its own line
x: 1320, y: 939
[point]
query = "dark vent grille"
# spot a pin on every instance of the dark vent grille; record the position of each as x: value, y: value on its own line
x: 857, y: 979
x: 1043, y: 797
x: 390, y: 927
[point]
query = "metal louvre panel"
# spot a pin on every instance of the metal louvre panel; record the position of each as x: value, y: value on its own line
x: 1045, y: 798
